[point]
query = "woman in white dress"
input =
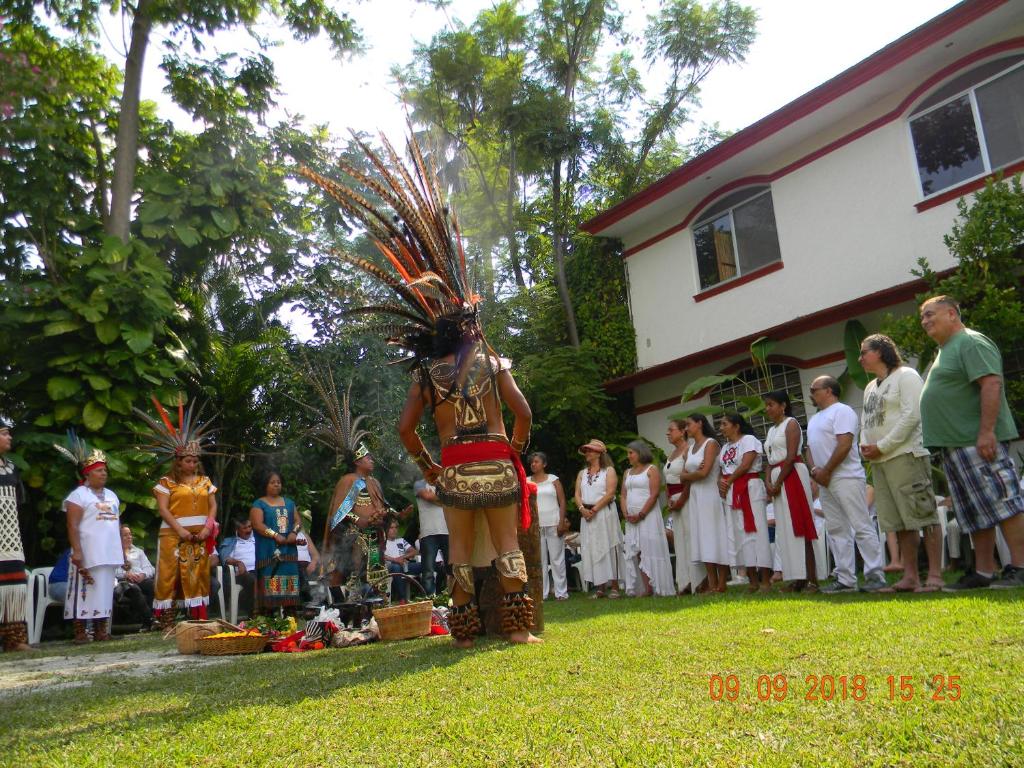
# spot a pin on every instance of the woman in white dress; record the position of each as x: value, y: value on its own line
x: 709, y: 537
x: 600, y: 532
x: 94, y: 531
x: 744, y: 499
x: 551, y: 520
x: 789, y: 487
x: 690, y: 575
x: 645, y: 548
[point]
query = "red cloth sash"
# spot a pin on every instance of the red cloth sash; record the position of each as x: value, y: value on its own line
x: 799, y: 511
x: 465, y: 453
x: 674, y: 488
x: 741, y: 499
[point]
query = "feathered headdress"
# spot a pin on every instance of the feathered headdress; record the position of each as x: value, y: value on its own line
x: 420, y: 240
x: 6, y: 422
x: 337, y: 429
x: 78, y: 453
x: 187, y: 439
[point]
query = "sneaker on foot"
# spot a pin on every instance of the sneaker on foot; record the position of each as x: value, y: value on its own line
x: 970, y: 580
x: 873, y: 585
x: 1011, y: 578
x: 837, y: 587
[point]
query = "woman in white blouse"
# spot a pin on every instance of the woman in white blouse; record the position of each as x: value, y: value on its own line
x: 645, y: 548
x: 745, y: 500
x: 93, y: 517
x: 600, y: 532
x: 552, y: 522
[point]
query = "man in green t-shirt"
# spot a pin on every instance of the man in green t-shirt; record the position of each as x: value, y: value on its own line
x: 965, y: 414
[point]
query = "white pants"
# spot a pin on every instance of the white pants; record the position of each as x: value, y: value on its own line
x: 552, y: 555
x: 847, y: 519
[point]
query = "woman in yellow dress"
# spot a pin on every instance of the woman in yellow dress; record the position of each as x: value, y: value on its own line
x: 186, y: 499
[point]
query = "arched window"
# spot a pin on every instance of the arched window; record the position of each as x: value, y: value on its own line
x: 971, y: 126
x: 752, y: 381
x: 735, y: 236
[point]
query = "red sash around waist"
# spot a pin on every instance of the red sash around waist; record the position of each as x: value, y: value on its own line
x: 465, y: 453
x: 796, y: 500
x: 674, y: 488
x: 741, y: 499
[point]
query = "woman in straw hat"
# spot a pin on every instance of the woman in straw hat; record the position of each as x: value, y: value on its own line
x: 600, y: 532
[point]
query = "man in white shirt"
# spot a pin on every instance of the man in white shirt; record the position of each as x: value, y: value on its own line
x: 835, y: 466
x: 135, y: 580
x: 239, y: 552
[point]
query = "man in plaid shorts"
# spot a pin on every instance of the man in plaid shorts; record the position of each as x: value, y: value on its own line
x: 965, y: 414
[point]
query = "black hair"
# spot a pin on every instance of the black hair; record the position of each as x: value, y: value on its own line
x: 737, y: 420
x: 262, y: 479
x: 705, y: 425
x: 781, y: 397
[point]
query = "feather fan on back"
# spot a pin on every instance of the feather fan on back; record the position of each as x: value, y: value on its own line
x: 418, y: 237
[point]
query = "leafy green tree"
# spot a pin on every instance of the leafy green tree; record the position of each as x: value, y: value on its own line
x: 987, y: 241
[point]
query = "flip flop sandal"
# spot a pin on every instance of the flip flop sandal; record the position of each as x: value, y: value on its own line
x: 926, y: 587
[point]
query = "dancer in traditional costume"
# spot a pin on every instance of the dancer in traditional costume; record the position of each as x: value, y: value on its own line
x: 277, y: 527
x: 94, y: 532
x: 13, y: 578
x: 187, y: 502
x: 458, y: 377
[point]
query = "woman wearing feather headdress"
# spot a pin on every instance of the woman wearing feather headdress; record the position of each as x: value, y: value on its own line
x: 481, y: 481
x: 94, y: 532
x: 187, y: 502
x: 13, y: 578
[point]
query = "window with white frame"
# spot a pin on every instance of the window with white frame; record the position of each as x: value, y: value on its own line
x: 971, y: 126
x: 735, y: 236
x: 727, y: 396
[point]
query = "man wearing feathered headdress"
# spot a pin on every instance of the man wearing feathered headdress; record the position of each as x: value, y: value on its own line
x: 481, y: 480
x: 355, y: 516
x: 13, y: 579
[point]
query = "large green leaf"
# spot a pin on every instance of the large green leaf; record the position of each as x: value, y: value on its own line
x: 108, y: 330
x: 94, y: 416
x: 58, y: 327
x: 226, y: 219
x: 62, y: 387
x: 97, y: 382
x: 186, y: 234
x: 853, y: 334
x: 138, y: 339
x: 65, y: 412
x: 698, y: 385
x: 760, y: 349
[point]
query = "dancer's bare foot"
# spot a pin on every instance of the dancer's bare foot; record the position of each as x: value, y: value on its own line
x: 462, y: 643
x: 523, y: 636
x: 22, y: 647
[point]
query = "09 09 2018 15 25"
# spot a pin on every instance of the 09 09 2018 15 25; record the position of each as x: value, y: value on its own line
x: 728, y: 687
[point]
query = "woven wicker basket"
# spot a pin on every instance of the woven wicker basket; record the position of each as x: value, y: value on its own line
x: 402, y: 622
x: 231, y: 646
x: 188, y: 633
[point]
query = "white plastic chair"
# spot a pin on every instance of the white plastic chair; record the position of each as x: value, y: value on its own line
x: 227, y: 576
x: 584, y: 586
x: 38, y: 601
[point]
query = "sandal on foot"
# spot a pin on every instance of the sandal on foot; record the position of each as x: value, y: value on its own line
x: 614, y: 594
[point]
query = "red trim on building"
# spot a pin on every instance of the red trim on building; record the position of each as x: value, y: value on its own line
x: 736, y: 282
x: 796, y: 362
x: 968, y: 186
x: 838, y: 313
x: 1015, y: 43
x: 878, y: 63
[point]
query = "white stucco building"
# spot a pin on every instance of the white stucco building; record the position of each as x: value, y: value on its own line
x: 817, y: 213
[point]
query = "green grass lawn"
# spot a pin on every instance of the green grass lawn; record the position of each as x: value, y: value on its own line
x: 616, y: 683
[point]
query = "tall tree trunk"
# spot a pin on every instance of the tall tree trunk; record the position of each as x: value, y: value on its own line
x: 558, y: 247
x: 127, y: 149
x: 510, y: 211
